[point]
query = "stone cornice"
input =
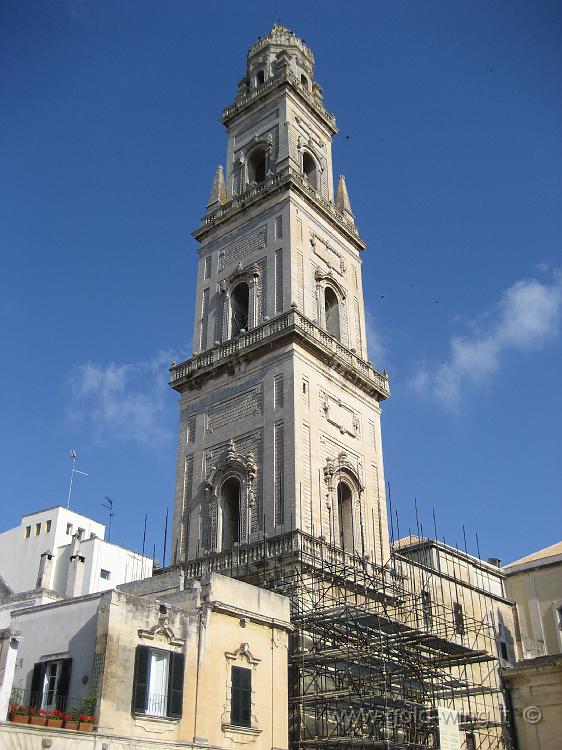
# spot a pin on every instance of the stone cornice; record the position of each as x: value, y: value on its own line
x: 287, y: 178
x: 288, y: 327
x: 284, y: 78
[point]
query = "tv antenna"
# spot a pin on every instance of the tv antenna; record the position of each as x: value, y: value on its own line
x: 109, y: 505
x: 72, y: 473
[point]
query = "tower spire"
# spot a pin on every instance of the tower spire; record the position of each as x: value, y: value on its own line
x: 218, y: 189
x: 343, y: 203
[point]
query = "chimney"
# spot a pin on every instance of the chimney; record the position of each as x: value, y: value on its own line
x: 45, y: 572
x: 75, y: 579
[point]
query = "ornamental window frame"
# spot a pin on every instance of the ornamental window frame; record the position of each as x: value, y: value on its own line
x: 241, y: 657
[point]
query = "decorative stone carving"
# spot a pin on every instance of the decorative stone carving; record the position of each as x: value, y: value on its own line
x: 331, y: 257
x: 241, y: 406
x: 339, y: 414
x: 230, y: 256
x: 161, y: 631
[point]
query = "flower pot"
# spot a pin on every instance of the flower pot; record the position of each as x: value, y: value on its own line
x: 20, y: 719
x: 86, y: 726
x: 54, y: 723
x: 69, y: 724
x: 38, y: 721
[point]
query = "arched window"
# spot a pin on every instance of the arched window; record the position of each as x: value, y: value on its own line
x: 260, y: 77
x: 309, y: 169
x: 256, y: 166
x: 304, y: 81
x: 239, y: 308
x: 332, y: 312
x: 230, y: 513
x: 345, y: 520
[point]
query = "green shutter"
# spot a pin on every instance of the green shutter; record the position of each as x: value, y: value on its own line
x: 140, y: 680
x: 175, y: 685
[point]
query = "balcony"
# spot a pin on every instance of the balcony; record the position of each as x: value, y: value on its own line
x: 286, y: 177
x: 294, y: 326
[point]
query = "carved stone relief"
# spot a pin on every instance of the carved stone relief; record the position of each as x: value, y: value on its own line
x: 241, y: 406
x: 339, y: 414
x: 230, y: 256
x: 331, y: 257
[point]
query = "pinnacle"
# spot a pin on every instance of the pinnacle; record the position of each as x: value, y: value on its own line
x: 218, y: 190
x: 342, y: 197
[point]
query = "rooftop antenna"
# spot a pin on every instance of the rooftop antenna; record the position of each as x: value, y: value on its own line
x: 109, y: 505
x: 72, y: 473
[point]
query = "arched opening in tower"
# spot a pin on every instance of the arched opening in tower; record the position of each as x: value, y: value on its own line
x: 256, y: 166
x: 240, y: 303
x: 230, y: 513
x: 309, y: 169
x: 332, y: 312
x: 345, y: 520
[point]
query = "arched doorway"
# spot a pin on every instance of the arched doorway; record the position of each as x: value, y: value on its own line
x: 345, y: 516
x: 332, y: 312
x: 239, y: 308
x: 230, y: 513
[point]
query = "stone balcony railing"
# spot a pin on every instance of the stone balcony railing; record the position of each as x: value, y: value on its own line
x: 284, y: 76
x: 272, y: 182
x: 291, y: 323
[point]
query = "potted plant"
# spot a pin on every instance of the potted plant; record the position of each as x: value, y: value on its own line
x: 86, y: 723
x: 55, y: 719
x: 37, y: 717
x: 19, y: 714
x: 70, y: 721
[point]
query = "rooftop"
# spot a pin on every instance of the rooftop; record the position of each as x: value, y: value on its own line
x: 541, y: 557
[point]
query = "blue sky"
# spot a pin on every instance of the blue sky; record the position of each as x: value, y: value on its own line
x: 450, y: 117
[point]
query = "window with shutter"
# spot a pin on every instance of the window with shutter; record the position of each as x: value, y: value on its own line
x: 158, y: 683
x: 241, y: 697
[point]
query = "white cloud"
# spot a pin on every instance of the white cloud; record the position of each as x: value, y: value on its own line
x: 123, y: 401
x: 526, y: 316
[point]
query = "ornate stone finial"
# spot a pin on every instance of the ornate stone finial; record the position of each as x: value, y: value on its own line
x: 231, y: 451
x: 342, y: 199
x: 218, y: 190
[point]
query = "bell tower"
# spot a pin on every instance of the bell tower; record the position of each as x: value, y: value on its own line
x: 279, y: 405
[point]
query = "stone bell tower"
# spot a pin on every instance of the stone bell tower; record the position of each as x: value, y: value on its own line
x: 279, y: 405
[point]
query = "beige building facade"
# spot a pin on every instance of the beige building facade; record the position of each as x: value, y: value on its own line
x: 198, y: 662
x: 534, y: 684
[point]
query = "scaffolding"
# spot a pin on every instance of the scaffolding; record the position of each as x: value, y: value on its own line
x: 378, y: 658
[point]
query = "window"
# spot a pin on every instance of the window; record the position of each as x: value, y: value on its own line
x: 105, y: 574
x: 278, y: 227
x: 458, y: 618
x: 230, y: 513
x: 69, y: 529
x: 158, y: 682
x: 304, y: 81
x: 345, y: 520
x: 260, y: 77
x: 240, y: 303
x: 559, y: 613
x: 309, y: 169
x: 80, y: 533
x: 49, y: 684
x: 332, y: 312
x: 37, y: 529
x: 503, y: 650
x: 470, y: 741
x: 256, y: 166
x: 241, y: 697
x: 47, y: 526
x: 27, y: 532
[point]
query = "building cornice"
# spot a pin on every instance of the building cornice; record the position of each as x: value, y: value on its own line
x: 288, y: 327
x: 286, y: 179
x: 284, y: 79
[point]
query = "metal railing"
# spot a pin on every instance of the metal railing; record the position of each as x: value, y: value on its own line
x: 49, y: 701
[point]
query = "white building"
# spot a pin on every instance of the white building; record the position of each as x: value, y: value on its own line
x: 56, y: 553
